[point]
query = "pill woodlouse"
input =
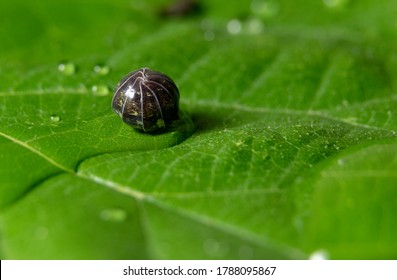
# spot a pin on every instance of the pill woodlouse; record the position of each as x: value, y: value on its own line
x: 146, y: 100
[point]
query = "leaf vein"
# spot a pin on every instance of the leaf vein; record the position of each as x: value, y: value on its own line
x: 37, y: 152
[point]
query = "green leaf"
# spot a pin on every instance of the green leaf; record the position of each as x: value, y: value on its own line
x: 357, y: 180
x: 286, y: 143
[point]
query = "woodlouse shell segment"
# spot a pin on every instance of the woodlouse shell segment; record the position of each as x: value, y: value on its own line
x: 147, y: 100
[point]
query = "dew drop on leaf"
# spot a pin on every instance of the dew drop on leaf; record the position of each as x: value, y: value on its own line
x: 28, y: 123
x: 101, y: 90
x: 114, y: 215
x: 319, y: 255
x: 211, y: 246
x: 215, y: 248
x: 234, y: 26
x: 265, y: 9
x: 55, y: 118
x: 101, y: 69
x: 255, y: 26
x: 208, y: 30
x: 335, y: 3
x: 67, y: 68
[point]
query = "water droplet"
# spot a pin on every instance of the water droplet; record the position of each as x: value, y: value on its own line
x: 101, y: 90
x: 28, y: 123
x: 55, y: 118
x: 67, y: 68
x: 255, y: 26
x: 101, y: 69
x: 114, y: 215
x: 214, y: 248
x: 208, y: 29
x: 234, y: 26
x: 335, y: 3
x: 319, y: 255
x: 265, y: 8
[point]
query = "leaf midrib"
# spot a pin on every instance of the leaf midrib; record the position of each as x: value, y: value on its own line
x: 184, y: 213
x: 242, y: 108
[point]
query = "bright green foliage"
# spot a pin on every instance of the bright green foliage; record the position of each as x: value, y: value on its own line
x: 286, y: 145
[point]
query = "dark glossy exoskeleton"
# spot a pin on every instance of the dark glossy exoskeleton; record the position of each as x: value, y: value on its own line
x: 146, y: 100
